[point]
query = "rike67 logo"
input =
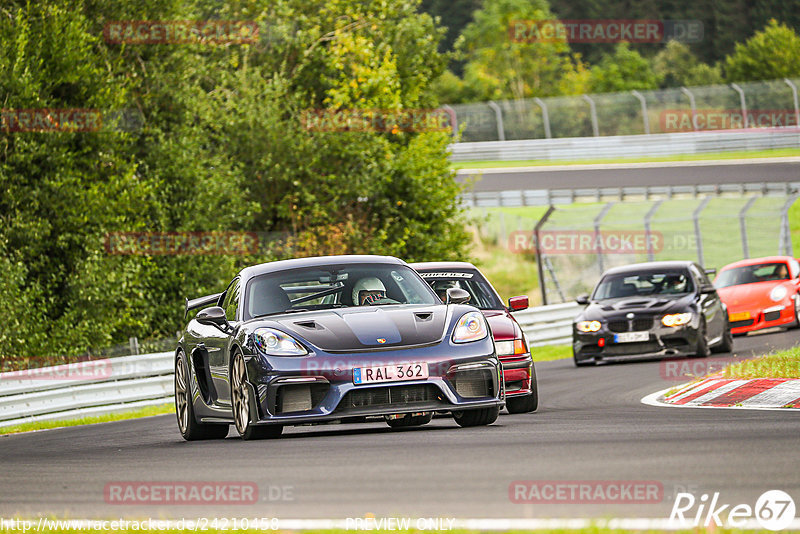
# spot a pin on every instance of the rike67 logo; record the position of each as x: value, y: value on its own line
x: 774, y: 510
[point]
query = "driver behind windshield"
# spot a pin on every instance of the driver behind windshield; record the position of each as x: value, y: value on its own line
x: 369, y: 291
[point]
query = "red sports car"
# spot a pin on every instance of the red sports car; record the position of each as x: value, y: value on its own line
x: 511, y: 345
x: 760, y: 293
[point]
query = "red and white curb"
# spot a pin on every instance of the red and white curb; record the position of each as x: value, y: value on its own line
x: 716, y: 392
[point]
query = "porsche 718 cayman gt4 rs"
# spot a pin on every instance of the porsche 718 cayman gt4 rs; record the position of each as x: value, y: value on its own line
x: 316, y: 340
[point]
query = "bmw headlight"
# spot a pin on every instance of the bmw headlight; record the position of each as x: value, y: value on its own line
x: 676, y: 319
x: 276, y: 343
x: 588, y: 326
x: 777, y: 294
x: 471, y: 327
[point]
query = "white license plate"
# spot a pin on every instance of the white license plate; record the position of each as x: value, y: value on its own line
x: 390, y: 373
x: 631, y: 337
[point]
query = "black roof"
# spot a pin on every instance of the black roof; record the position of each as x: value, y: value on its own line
x: 315, y: 261
x: 650, y: 266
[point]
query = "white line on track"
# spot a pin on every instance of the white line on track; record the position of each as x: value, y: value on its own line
x: 641, y: 165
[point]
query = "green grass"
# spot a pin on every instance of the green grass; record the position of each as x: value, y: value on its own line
x: 745, y: 154
x: 551, y: 352
x: 782, y: 364
x: 132, y: 414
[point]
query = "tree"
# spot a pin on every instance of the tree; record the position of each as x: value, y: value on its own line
x: 624, y: 70
x: 676, y: 66
x: 771, y: 54
x: 502, y: 67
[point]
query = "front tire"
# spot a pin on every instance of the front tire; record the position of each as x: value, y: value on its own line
x: 726, y: 345
x: 240, y: 400
x: 528, y: 403
x: 701, y: 349
x: 479, y: 417
x: 188, y: 426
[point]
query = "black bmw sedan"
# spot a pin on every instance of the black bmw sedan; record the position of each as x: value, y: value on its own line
x: 651, y: 310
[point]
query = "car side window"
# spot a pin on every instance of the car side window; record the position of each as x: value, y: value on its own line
x: 231, y: 302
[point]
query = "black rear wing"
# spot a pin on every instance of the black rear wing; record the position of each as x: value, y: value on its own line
x: 200, y: 302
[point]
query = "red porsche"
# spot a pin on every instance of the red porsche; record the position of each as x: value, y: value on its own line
x: 512, y: 348
x: 760, y: 293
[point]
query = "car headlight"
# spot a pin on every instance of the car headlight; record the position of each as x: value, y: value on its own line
x: 588, y: 326
x: 471, y: 327
x: 276, y: 343
x: 777, y: 294
x: 510, y: 348
x: 676, y: 319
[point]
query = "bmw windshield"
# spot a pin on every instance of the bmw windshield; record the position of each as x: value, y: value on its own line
x: 646, y: 284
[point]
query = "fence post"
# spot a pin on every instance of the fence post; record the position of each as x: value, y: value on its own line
x: 693, y: 106
x: 743, y: 226
x: 785, y: 245
x: 698, y: 236
x: 593, y: 111
x: 743, y: 103
x: 539, y: 264
x: 545, y: 117
x: 597, y: 220
x: 498, y: 118
x: 791, y: 84
x: 453, y: 119
x: 645, y: 118
x: 647, y: 220
x: 134, y: 345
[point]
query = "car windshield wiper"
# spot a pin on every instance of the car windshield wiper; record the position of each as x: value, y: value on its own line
x: 290, y: 310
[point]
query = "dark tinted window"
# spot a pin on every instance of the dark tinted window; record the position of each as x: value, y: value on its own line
x: 231, y: 300
x: 644, y: 284
x: 482, y: 296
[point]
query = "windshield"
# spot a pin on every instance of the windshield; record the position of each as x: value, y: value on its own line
x: 481, y: 294
x: 644, y: 284
x: 335, y: 286
x: 751, y: 274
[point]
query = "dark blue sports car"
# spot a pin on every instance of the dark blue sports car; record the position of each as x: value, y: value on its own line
x: 322, y: 339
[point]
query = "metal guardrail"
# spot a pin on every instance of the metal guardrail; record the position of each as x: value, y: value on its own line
x: 548, y: 325
x: 86, y: 388
x: 547, y: 197
x: 627, y: 146
x: 114, y: 385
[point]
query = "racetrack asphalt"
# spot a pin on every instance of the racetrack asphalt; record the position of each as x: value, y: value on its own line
x: 590, y: 425
x: 634, y: 174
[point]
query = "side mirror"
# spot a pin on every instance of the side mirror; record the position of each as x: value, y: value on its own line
x: 582, y: 299
x: 710, y: 272
x: 213, y: 316
x: 707, y: 289
x: 518, y: 303
x: 457, y: 295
